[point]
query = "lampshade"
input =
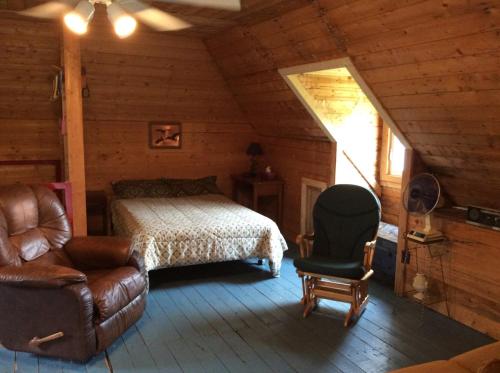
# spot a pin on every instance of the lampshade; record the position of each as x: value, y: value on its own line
x: 254, y: 149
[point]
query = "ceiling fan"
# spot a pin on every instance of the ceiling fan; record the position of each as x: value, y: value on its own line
x: 123, y: 14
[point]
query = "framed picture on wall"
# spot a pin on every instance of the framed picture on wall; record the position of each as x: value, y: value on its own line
x: 165, y: 135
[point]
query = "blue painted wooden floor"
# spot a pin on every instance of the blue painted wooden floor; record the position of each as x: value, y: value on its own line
x: 234, y: 317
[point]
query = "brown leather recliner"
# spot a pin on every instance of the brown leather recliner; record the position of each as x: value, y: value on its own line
x: 61, y: 296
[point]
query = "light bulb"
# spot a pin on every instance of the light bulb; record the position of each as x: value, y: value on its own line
x: 124, y: 26
x: 75, y: 23
x: 123, y: 23
x: 78, y: 19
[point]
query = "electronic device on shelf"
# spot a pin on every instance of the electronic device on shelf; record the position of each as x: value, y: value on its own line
x: 421, y: 196
x: 483, y: 217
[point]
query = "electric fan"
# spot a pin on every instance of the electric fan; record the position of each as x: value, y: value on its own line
x: 421, y: 196
x: 123, y: 14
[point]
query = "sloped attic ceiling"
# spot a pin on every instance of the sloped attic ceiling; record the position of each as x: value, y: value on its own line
x: 434, y: 65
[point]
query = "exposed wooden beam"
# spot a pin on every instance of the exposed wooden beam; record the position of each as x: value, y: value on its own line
x: 74, y: 140
x: 399, y: 283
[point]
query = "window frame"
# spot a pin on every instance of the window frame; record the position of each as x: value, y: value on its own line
x: 385, y: 174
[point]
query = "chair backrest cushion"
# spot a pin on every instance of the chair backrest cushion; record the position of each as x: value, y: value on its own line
x: 345, y: 218
x: 32, y: 222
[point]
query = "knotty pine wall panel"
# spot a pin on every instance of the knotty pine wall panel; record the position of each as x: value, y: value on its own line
x: 29, y: 120
x: 434, y: 66
x: 158, y: 77
x: 294, y: 159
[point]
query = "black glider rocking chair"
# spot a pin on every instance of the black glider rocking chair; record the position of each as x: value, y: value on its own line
x: 335, y: 262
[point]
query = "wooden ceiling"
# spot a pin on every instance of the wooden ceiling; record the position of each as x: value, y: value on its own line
x: 207, y: 21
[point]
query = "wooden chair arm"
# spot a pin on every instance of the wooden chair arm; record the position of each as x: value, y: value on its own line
x: 302, y: 237
x: 367, y: 275
x: 369, y: 252
x: 304, y: 242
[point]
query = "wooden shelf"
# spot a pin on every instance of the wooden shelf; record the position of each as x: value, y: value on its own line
x: 428, y: 300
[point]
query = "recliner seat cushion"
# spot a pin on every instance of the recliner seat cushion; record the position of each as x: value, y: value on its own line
x: 329, y: 267
x: 114, y: 289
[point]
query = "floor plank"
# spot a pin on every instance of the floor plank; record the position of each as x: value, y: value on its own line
x: 7, y: 360
x: 26, y: 363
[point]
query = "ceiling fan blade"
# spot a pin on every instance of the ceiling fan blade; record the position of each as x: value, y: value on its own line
x: 153, y: 17
x: 52, y: 9
x: 218, y: 4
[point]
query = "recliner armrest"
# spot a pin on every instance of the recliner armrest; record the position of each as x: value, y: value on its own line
x: 99, y: 252
x: 40, y: 276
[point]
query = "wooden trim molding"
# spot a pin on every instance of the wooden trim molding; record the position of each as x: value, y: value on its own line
x: 305, y: 207
x: 399, y: 282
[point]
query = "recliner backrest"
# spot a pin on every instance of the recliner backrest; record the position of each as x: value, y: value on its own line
x: 345, y: 218
x: 32, y: 222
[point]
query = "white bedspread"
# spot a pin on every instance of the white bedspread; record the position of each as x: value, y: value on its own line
x: 173, y: 232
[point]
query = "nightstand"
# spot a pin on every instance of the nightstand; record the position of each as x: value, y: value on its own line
x: 97, y: 213
x: 259, y: 187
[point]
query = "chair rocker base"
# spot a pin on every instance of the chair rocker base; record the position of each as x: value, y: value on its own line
x: 354, y: 292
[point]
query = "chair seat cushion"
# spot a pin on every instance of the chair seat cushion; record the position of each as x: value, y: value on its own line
x: 114, y: 289
x: 330, y: 267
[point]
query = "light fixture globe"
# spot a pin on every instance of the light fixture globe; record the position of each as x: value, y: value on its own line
x: 123, y: 23
x: 78, y: 19
x: 125, y: 26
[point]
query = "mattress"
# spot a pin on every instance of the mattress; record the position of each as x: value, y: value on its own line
x: 182, y: 231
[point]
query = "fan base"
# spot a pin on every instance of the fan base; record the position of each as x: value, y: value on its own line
x: 425, y: 237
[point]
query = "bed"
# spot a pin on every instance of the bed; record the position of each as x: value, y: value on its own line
x: 196, y: 228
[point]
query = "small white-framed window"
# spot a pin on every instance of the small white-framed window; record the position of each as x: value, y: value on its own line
x: 392, y: 156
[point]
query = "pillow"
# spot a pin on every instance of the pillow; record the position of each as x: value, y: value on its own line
x: 493, y: 366
x: 165, y: 188
x: 126, y: 189
x: 193, y: 187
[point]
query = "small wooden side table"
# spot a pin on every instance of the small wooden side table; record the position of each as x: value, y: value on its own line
x: 435, y: 250
x: 97, y: 213
x: 259, y: 187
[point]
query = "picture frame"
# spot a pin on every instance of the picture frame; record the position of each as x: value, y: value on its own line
x: 165, y: 135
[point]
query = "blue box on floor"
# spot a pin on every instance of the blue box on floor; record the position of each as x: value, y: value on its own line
x: 384, y: 261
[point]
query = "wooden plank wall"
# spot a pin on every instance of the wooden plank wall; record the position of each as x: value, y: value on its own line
x: 433, y: 65
x: 470, y: 273
x: 390, y: 199
x: 157, y: 77
x: 29, y: 120
x: 294, y: 159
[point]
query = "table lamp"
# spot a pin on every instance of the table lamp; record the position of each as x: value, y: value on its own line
x: 254, y: 150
